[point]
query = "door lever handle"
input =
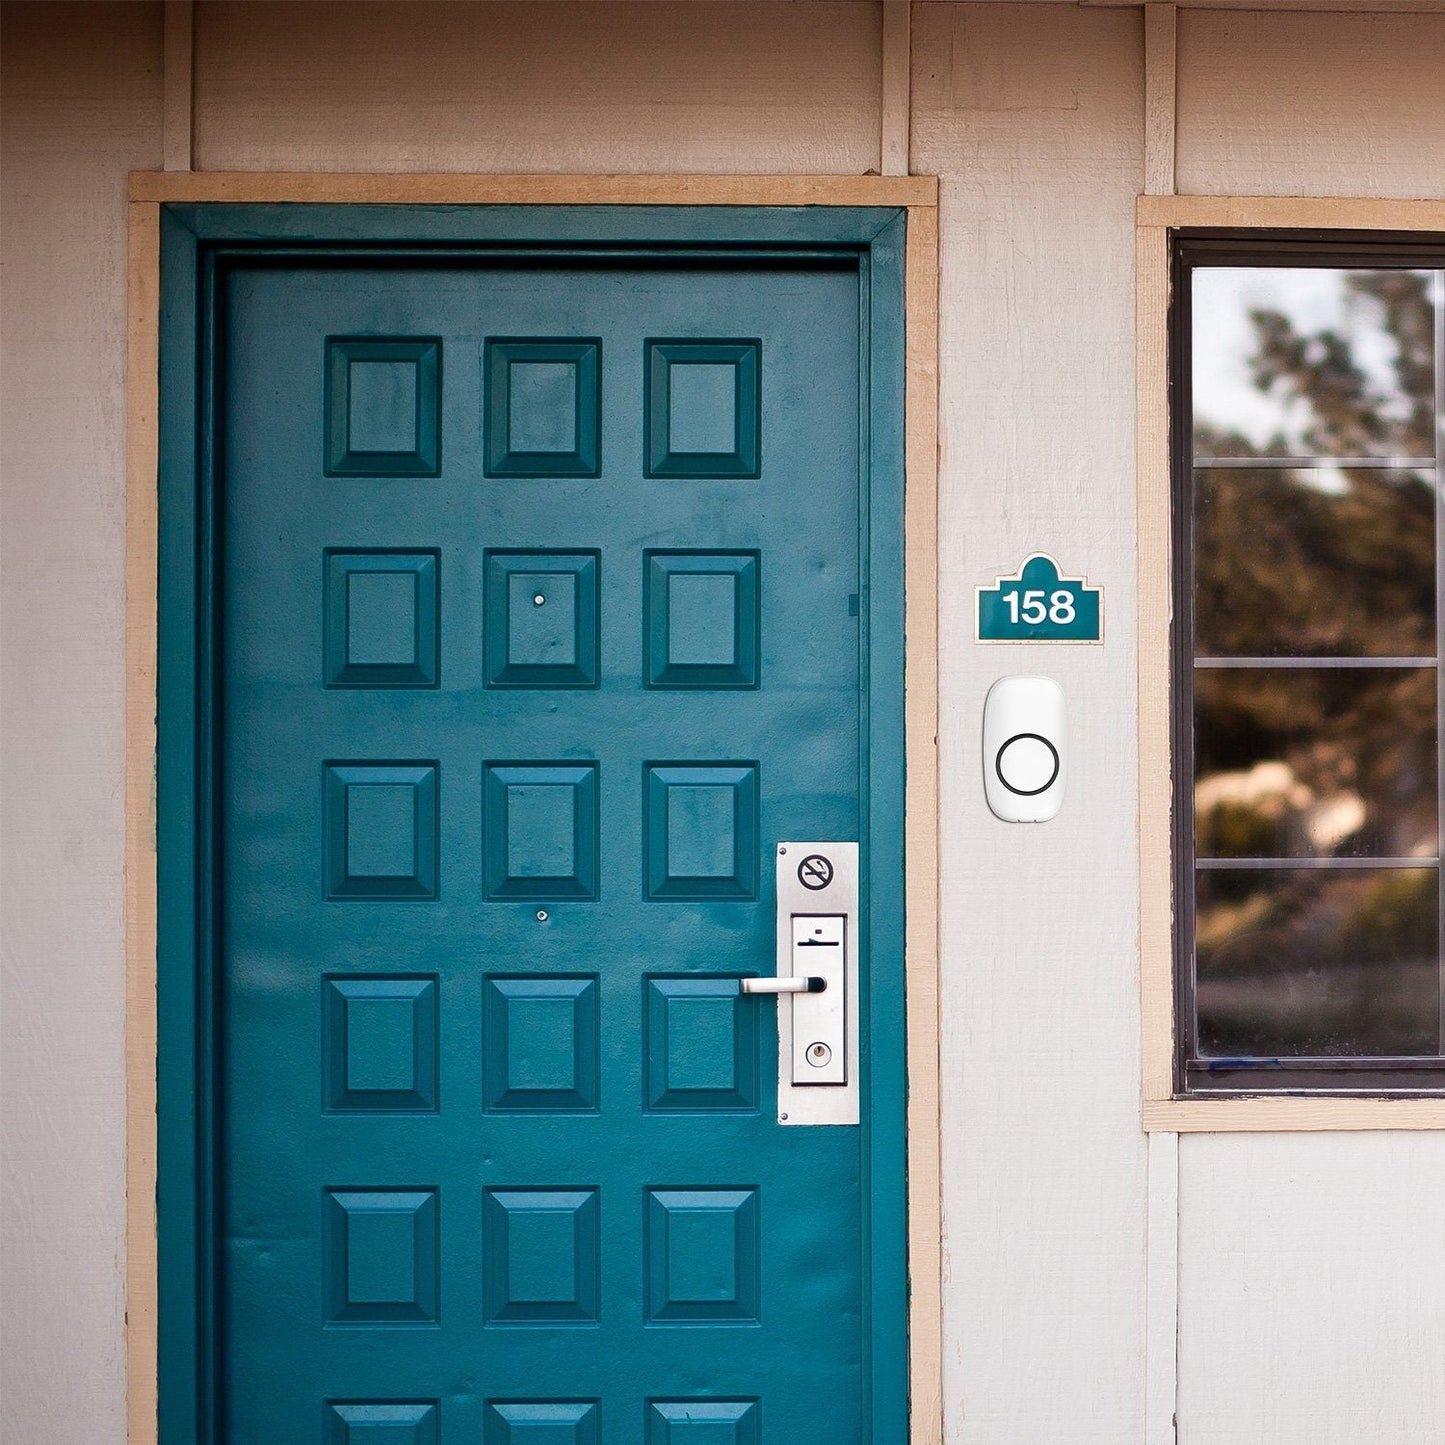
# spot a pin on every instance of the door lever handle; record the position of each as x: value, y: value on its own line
x: 782, y: 985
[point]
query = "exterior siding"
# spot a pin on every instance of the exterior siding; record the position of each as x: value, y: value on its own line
x: 1311, y: 105
x: 611, y: 86
x: 1310, y: 1269
x: 81, y: 106
x: 1031, y: 115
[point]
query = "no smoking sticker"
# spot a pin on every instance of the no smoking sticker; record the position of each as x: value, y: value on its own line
x: 815, y: 872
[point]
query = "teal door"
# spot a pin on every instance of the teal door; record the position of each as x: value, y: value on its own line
x: 543, y: 596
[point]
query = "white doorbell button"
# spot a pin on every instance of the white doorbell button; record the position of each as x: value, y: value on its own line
x: 1024, y: 746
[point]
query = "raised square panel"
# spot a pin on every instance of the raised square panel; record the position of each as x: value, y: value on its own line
x: 540, y: 1260
x: 541, y: 619
x: 542, y: 1422
x: 543, y: 407
x: 539, y: 830
x: 381, y: 611
x: 704, y: 1422
x: 381, y: 1044
x: 383, y: 406
x: 381, y: 1257
x: 701, y: 827
x: 702, y: 1256
x: 381, y: 1422
x: 702, y: 1045
x: 700, y: 613
x: 540, y: 1044
x: 379, y: 831
x: 703, y: 408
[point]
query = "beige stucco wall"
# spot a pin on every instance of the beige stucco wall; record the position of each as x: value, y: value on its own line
x: 1311, y: 1270
x: 1303, y: 104
x: 79, y: 105
x: 579, y: 86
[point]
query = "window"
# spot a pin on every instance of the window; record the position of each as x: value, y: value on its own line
x: 1309, y: 411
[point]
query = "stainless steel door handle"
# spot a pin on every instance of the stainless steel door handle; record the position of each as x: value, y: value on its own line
x: 782, y: 985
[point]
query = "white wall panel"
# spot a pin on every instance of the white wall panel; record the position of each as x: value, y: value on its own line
x: 1032, y: 116
x: 1311, y: 1276
x: 1311, y: 105
x: 1312, y: 1267
x: 81, y: 106
x: 577, y: 85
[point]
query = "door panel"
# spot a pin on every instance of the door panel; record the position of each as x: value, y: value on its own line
x: 539, y: 626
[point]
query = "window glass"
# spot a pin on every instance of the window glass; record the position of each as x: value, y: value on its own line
x: 1313, y: 362
x: 1314, y: 562
x: 1318, y: 962
x: 1315, y: 762
x: 1307, y: 666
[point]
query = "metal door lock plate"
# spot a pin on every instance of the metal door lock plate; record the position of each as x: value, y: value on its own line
x: 817, y: 939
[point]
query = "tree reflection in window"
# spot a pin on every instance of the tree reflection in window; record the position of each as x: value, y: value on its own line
x: 1311, y: 534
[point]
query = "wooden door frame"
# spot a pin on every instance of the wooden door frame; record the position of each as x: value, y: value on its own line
x: 915, y: 195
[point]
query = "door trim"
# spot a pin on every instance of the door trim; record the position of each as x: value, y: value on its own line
x: 917, y: 196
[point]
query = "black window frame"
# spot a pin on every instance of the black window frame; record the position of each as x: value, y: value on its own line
x: 1190, y: 249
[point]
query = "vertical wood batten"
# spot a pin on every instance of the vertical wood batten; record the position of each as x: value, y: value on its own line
x: 142, y: 457
x: 1161, y: 1337
x: 1161, y: 76
x: 895, y: 102
x: 177, y: 104
x: 921, y: 724
x: 1156, y: 964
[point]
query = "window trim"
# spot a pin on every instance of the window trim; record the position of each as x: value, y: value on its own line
x: 1333, y: 223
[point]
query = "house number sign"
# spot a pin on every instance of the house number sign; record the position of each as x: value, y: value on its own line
x: 1039, y: 604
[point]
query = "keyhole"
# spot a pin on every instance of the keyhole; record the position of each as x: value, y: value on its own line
x: 819, y: 1054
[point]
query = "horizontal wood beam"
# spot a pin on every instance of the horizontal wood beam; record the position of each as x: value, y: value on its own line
x: 1292, y: 212
x: 570, y: 190
x: 1290, y: 1115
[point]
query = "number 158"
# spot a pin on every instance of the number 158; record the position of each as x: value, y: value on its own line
x: 1060, y: 608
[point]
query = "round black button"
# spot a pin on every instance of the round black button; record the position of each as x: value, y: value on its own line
x: 1027, y: 761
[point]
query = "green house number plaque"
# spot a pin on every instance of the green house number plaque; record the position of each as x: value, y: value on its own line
x: 1039, y: 604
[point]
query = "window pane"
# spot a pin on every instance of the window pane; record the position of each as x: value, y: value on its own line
x: 1298, y: 963
x: 1294, y: 361
x: 1314, y: 762
x: 1324, y: 562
